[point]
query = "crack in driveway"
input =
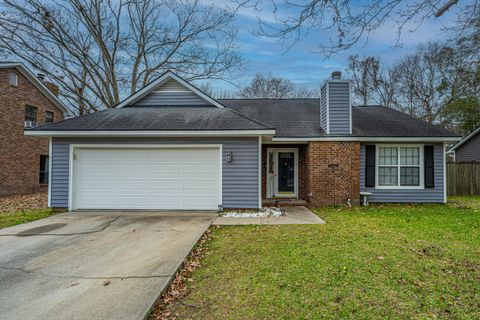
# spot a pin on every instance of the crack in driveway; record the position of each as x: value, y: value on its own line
x: 108, y: 224
x: 83, y: 277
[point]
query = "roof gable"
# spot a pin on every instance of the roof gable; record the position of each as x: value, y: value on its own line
x: 466, y: 139
x: 169, y: 90
x: 37, y: 83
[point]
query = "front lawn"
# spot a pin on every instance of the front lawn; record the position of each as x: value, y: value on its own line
x: 381, y: 262
x: 23, y: 208
x: 8, y: 219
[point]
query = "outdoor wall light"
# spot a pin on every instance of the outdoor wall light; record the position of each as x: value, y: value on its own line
x: 229, y: 156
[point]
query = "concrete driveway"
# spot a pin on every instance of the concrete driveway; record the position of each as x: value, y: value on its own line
x: 93, y: 265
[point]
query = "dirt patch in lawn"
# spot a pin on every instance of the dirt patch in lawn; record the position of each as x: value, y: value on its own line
x: 24, y: 202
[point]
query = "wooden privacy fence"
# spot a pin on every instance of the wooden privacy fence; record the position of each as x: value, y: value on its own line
x: 463, y: 178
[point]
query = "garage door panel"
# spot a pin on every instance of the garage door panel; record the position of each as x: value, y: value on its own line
x: 181, y: 178
x: 166, y: 168
x: 165, y: 202
x: 164, y: 184
x: 198, y: 185
x: 206, y: 154
x: 94, y: 201
x: 208, y: 168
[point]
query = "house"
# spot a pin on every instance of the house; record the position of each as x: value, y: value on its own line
x: 468, y: 149
x: 171, y: 146
x: 26, y: 101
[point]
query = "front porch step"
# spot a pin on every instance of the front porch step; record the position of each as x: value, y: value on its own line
x: 284, y: 202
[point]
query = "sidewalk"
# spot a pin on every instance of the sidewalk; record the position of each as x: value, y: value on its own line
x: 293, y: 215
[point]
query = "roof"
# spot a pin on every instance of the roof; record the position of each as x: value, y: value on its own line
x: 289, y: 118
x: 301, y: 118
x: 37, y: 83
x: 158, y: 82
x: 157, y: 118
x: 466, y: 139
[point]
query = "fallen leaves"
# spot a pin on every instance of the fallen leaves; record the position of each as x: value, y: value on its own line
x: 24, y: 202
x: 178, y: 288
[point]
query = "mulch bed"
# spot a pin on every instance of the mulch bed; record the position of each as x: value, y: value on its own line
x: 178, y: 288
x: 24, y: 202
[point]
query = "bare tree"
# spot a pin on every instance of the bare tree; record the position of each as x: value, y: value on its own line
x: 365, y: 76
x: 99, y: 51
x: 432, y: 78
x: 269, y: 86
x: 351, y: 22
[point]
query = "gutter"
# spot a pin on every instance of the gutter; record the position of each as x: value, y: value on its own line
x: 370, y: 139
x: 141, y: 133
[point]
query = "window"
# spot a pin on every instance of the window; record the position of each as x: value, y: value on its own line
x: 48, y: 116
x: 13, y: 79
x: 399, y: 166
x: 44, y: 168
x: 31, y: 114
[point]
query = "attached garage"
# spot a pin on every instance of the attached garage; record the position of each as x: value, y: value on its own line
x: 148, y: 177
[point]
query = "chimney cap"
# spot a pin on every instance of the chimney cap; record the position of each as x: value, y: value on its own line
x: 41, y: 76
x: 336, y: 75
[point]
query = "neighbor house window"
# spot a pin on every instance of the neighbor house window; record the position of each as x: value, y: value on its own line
x: 44, y: 168
x: 13, y: 79
x: 399, y: 166
x: 30, y: 114
x: 48, y: 116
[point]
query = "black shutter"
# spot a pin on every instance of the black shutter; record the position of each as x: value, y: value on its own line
x: 370, y: 166
x: 428, y: 162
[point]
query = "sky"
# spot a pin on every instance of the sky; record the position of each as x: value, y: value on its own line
x: 307, y: 68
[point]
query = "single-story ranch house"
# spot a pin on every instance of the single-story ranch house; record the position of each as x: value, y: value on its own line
x: 171, y: 146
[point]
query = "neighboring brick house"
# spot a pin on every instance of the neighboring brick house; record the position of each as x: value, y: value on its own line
x: 468, y: 149
x: 25, y: 101
x: 171, y: 146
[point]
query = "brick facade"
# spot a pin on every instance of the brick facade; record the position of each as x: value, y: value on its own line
x: 326, y: 187
x: 318, y: 184
x: 20, y: 155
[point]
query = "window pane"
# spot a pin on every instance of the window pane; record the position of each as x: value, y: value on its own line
x: 44, y: 169
x: 388, y: 176
x: 30, y: 113
x: 410, y: 176
x: 409, y: 156
x: 387, y: 156
x: 48, y: 117
x: 13, y: 79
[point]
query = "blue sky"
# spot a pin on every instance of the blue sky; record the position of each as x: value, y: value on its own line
x: 306, y: 68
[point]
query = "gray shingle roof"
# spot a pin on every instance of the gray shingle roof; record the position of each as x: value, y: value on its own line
x: 158, y: 118
x: 301, y: 118
x: 289, y: 117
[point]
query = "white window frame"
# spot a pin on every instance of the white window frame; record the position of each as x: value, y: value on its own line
x: 398, y: 146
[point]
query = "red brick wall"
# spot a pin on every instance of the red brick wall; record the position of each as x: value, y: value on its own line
x: 20, y: 155
x: 326, y: 187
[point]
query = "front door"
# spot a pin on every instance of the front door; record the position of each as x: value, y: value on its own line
x: 283, y: 171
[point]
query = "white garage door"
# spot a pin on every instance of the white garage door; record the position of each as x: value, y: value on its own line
x: 150, y: 178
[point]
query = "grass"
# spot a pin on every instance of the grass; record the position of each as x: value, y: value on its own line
x: 380, y: 262
x: 8, y: 219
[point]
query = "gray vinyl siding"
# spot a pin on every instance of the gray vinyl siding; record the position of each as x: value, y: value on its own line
x: 339, y: 107
x: 171, y: 98
x: 239, y: 178
x: 428, y: 195
x: 323, y: 108
x: 469, y: 151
